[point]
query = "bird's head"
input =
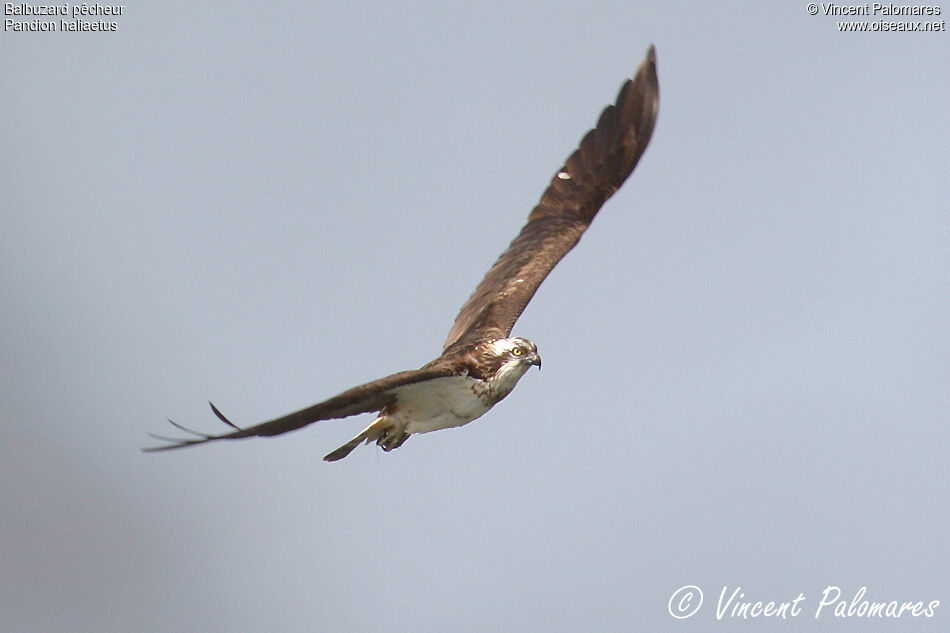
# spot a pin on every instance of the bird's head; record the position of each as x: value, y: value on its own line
x: 515, y: 350
x: 512, y: 357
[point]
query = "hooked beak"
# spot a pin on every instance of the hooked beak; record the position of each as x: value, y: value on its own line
x: 536, y: 361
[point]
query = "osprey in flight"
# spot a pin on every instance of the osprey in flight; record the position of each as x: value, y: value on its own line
x: 480, y: 364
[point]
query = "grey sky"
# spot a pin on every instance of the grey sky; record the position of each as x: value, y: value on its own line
x: 745, y: 358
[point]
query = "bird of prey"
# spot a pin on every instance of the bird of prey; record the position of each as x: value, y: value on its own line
x: 480, y: 363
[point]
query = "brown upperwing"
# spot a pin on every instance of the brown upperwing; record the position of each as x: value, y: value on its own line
x: 366, y: 398
x: 606, y: 156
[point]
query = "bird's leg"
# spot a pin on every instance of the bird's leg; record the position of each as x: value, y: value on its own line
x: 392, y: 437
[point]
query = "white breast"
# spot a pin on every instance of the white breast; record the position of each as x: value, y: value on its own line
x: 440, y: 404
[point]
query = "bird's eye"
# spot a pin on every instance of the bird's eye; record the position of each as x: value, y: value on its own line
x: 517, y: 351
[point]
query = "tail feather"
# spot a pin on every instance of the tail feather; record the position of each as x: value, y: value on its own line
x: 382, y: 431
x: 347, y: 448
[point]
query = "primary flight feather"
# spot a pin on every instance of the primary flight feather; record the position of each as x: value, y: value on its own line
x: 480, y: 364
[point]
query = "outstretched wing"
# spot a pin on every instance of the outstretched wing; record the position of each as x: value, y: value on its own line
x: 606, y: 156
x: 367, y: 398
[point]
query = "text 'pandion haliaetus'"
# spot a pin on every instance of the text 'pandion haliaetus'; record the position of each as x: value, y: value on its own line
x: 480, y: 364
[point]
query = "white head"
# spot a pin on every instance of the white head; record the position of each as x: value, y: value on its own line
x: 514, y: 356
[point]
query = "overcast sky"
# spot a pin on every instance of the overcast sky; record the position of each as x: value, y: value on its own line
x: 745, y: 377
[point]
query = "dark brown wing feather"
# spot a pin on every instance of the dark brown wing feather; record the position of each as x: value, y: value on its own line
x: 367, y: 398
x: 606, y: 156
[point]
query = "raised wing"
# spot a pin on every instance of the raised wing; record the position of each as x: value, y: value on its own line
x: 606, y: 156
x: 367, y: 398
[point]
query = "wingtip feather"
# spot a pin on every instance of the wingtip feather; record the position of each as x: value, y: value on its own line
x: 203, y: 436
x: 222, y: 417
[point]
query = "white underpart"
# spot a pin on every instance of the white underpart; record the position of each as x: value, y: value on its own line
x: 441, y: 404
x: 507, y: 377
x: 449, y: 402
x: 563, y: 175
